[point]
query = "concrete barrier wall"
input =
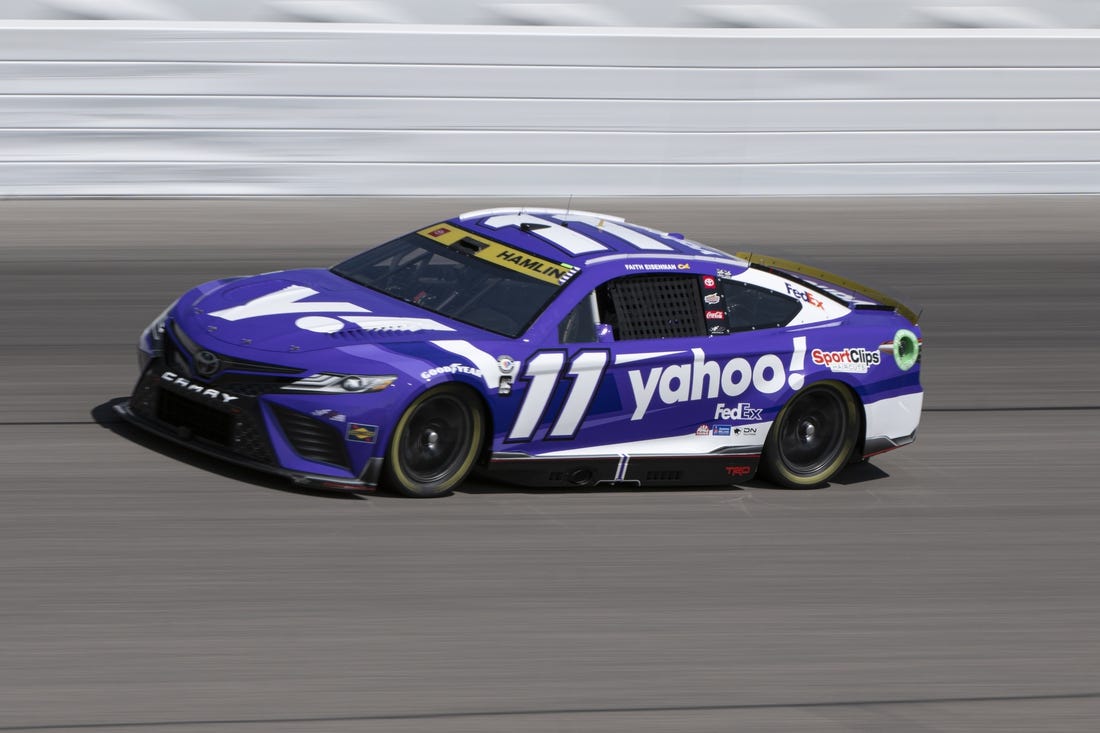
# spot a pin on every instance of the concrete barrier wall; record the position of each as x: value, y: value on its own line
x: 149, y: 108
x: 618, y: 13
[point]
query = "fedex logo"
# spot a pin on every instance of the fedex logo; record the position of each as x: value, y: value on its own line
x: 805, y: 296
x: 740, y: 411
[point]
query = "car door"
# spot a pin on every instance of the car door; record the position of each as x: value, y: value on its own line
x: 667, y: 364
x: 623, y: 367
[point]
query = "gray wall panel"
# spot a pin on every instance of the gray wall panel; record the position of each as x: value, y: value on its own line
x: 545, y: 82
x: 198, y: 112
x: 545, y: 180
x: 282, y: 109
x: 544, y: 46
x: 573, y: 148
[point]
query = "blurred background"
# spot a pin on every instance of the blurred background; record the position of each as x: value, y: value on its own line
x: 943, y: 152
x: 285, y: 97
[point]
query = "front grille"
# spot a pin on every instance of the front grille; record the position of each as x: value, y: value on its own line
x: 238, y: 427
x: 202, y: 421
x: 250, y: 440
x: 249, y: 389
x: 312, y: 439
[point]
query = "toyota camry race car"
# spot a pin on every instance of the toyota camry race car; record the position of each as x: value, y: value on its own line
x: 547, y: 347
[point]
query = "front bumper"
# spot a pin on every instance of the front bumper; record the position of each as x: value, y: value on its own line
x: 236, y: 432
x: 368, y: 482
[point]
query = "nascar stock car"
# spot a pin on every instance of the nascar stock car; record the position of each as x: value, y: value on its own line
x: 545, y: 346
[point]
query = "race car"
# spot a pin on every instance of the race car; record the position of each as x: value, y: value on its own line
x: 545, y: 347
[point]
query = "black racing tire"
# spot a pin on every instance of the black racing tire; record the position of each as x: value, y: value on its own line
x: 813, y: 437
x: 435, y: 443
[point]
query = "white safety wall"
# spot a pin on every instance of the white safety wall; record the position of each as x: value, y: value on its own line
x: 150, y: 108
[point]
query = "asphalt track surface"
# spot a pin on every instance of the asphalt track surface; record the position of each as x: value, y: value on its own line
x: 949, y: 586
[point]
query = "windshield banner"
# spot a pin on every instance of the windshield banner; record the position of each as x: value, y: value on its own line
x: 512, y: 258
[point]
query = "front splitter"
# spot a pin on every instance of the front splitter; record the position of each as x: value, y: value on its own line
x: 367, y: 482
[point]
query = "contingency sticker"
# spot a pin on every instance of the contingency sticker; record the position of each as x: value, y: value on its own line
x: 360, y: 433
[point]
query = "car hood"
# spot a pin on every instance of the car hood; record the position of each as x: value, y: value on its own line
x: 307, y: 310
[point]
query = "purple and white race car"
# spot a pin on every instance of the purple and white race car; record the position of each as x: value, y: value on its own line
x: 546, y: 347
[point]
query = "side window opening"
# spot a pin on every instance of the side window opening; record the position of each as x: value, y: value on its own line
x: 751, y: 308
x: 638, y: 307
x: 579, y: 327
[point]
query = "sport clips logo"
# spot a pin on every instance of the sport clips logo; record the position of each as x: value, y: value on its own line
x: 857, y: 360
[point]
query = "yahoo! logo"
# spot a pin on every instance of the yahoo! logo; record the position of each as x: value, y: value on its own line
x: 706, y: 379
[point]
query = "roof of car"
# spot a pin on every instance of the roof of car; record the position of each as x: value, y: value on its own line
x: 575, y: 237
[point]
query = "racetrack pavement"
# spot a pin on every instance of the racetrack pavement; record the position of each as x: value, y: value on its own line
x: 947, y: 586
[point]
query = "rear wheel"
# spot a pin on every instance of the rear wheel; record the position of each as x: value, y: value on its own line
x: 435, y: 443
x: 813, y: 437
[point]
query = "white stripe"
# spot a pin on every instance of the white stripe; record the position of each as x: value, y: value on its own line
x: 386, y: 323
x: 685, y: 445
x: 624, y: 461
x: 631, y: 236
x: 284, y: 302
x: 524, y: 210
x: 728, y: 261
x: 562, y: 237
x: 631, y: 358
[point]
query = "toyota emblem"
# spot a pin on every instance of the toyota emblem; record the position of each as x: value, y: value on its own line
x: 206, y: 363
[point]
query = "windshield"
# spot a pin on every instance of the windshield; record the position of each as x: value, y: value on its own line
x: 460, y: 275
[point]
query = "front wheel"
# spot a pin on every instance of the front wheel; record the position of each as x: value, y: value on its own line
x: 435, y: 443
x: 812, y: 438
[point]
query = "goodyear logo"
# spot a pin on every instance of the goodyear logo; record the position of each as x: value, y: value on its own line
x: 360, y: 433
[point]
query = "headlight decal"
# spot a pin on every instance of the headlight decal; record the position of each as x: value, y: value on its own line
x: 341, y: 383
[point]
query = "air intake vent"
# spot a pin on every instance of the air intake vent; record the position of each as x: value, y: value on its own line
x: 200, y: 420
x: 312, y: 439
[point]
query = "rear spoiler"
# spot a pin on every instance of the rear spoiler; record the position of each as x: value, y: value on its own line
x: 792, y: 270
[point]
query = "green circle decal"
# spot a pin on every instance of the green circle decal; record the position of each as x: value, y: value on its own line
x: 906, y: 349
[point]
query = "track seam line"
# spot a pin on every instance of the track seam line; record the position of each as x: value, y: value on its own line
x: 49, y: 423
x: 564, y: 711
x: 1062, y: 408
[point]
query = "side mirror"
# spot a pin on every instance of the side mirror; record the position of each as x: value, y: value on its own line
x: 604, y: 334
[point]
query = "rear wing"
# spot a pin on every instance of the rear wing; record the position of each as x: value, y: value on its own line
x: 821, y: 280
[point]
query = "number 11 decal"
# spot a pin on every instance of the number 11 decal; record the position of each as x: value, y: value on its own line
x: 543, y: 373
